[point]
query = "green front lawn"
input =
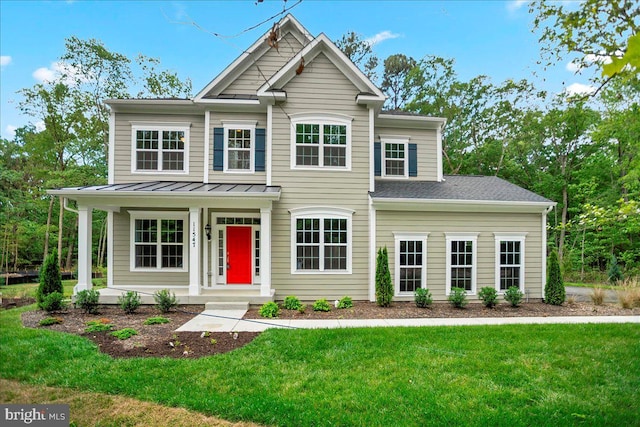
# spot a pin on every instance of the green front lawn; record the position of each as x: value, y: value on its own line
x: 495, y: 375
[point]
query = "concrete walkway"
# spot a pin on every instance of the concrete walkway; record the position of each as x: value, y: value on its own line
x: 231, y: 321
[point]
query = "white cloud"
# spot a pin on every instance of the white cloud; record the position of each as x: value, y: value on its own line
x: 5, y: 60
x: 40, y: 126
x: 11, y: 130
x: 57, y: 70
x: 514, y: 5
x: 579, y: 89
x: 573, y: 67
x: 380, y: 37
x: 601, y: 58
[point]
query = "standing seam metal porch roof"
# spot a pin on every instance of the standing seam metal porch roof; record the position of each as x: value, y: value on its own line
x: 457, y: 187
x: 174, y: 188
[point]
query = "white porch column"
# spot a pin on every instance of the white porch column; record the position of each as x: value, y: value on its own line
x: 85, y: 249
x: 265, y: 252
x: 195, y: 234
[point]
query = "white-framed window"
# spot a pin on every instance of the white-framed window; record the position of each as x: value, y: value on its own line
x: 509, y: 253
x: 395, y: 158
x: 321, y: 141
x: 239, y: 146
x: 158, y: 241
x: 461, y: 261
x: 160, y: 148
x: 410, y: 262
x: 321, y: 240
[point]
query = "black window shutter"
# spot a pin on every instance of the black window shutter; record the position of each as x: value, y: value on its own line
x: 260, y: 150
x: 218, y: 149
x: 413, y: 159
x: 377, y: 158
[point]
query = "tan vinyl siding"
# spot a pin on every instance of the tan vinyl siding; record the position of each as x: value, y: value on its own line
x: 439, y: 223
x: 122, y: 274
x: 266, y: 66
x: 321, y: 88
x: 426, y: 140
x: 123, y: 150
x: 221, y: 177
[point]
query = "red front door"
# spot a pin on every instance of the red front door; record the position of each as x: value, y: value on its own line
x: 239, y: 257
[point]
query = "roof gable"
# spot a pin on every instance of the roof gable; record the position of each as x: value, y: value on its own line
x: 287, y: 26
x: 321, y: 44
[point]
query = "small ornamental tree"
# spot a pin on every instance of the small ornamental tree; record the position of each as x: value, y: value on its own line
x: 384, y: 287
x: 554, y: 292
x: 50, y: 279
x: 614, y: 272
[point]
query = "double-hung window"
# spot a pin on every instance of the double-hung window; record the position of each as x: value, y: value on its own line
x: 509, y: 252
x: 321, y: 240
x: 158, y: 241
x: 410, y: 262
x: 321, y: 142
x: 160, y: 148
x: 461, y: 261
x: 239, y: 146
x: 395, y: 162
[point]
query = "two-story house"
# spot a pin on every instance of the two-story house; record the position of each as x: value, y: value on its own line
x: 283, y: 176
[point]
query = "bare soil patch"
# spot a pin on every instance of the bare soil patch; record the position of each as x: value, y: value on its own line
x: 152, y: 340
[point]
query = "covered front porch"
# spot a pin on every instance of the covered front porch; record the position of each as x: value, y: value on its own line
x: 203, y: 242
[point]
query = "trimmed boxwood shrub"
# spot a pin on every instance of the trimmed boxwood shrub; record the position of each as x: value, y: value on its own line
x: 345, y: 302
x: 88, y: 300
x: 270, y: 309
x: 458, y: 297
x: 489, y: 296
x: 423, y: 298
x: 292, y: 303
x: 513, y: 295
x: 129, y: 301
x: 321, y: 305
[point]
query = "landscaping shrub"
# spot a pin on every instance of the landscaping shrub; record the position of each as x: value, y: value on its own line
x: 124, y: 333
x: 50, y: 279
x: 614, y: 273
x: 88, y: 300
x: 302, y: 308
x: 53, y: 302
x: 458, y: 297
x: 291, y: 303
x: 597, y: 296
x: 165, y: 300
x: 384, y: 287
x: 321, y: 305
x: 157, y: 320
x: 345, y: 302
x: 489, y: 296
x: 554, y: 292
x: 423, y: 298
x: 270, y: 309
x: 129, y: 301
x: 48, y: 321
x: 513, y: 295
x: 98, y: 326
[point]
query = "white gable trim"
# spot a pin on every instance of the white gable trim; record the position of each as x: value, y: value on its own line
x: 321, y: 44
x: 257, y: 49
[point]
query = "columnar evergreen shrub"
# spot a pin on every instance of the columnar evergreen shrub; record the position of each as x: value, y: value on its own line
x: 489, y: 296
x: 614, y: 273
x: 384, y: 287
x: 50, y: 279
x: 554, y: 292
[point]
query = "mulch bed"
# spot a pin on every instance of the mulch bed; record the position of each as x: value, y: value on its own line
x: 162, y: 340
x: 408, y: 310
x: 152, y: 340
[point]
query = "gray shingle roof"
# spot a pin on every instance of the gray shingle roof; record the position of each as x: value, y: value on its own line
x: 457, y: 187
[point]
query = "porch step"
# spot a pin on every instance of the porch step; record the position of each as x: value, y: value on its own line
x: 227, y: 305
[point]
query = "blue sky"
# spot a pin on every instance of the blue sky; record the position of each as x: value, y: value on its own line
x: 493, y: 38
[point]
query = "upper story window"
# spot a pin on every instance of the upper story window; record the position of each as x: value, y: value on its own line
x: 395, y: 157
x: 160, y: 148
x: 239, y: 147
x: 321, y: 142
